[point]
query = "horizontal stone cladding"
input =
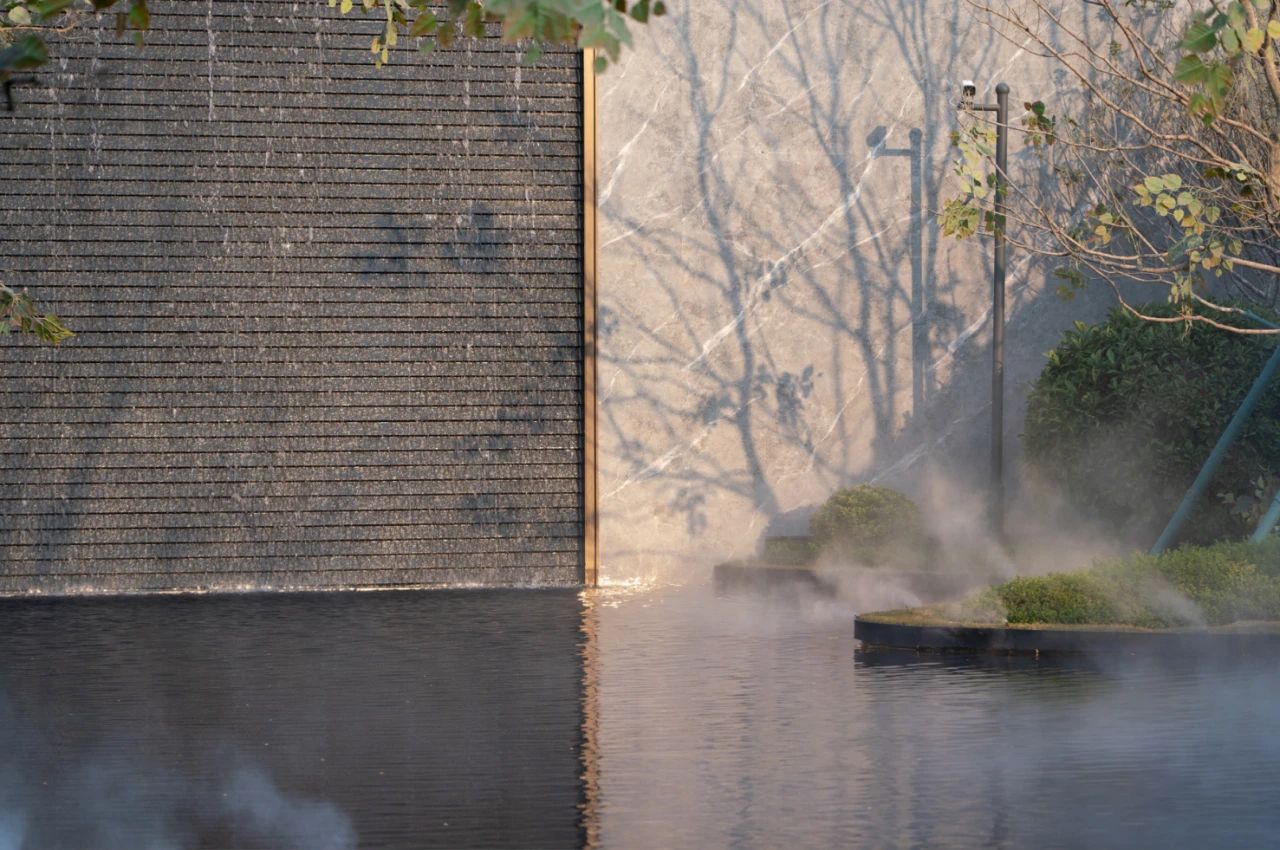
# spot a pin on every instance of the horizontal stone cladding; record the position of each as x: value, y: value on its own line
x: 328, y: 315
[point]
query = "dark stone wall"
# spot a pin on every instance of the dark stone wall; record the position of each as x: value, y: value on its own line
x: 329, y: 316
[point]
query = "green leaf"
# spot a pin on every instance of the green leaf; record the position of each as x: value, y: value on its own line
x: 1153, y: 184
x: 1273, y: 30
x: 424, y: 24
x: 1190, y: 70
x: 1253, y: 40
x: 1200, y: 37
x: 139, y: 17
x: 474, y: 24
x: 1230, y: 42
x: 19, y: 16
x: 25, y: 53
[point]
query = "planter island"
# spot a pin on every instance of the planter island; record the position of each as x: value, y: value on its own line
x: 926, y: 630
x: 1225, y: 596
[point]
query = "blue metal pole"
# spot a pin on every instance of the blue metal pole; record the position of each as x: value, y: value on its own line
x: 1272, y: 515
x: 1261, y: 321
x: 1268, y: 522
x: 1219, y: 452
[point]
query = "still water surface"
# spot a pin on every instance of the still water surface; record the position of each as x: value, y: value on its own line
x: 655, y: 718
x: 728, y: 722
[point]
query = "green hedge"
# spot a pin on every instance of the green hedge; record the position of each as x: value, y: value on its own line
x: 1194, y: 585
x: 789, y: 551
x: 871, y: 525
x: 1126, y: 411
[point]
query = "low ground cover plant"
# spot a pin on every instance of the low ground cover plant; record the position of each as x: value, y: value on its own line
x: 1191, y: 586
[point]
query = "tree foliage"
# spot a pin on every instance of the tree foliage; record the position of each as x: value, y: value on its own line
x: 593, y: 24
x: 1126, y: 411
x: 596, y: 24
x: 1160, y: 164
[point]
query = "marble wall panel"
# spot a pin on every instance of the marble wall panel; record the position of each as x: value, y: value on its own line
x: 779, y: 313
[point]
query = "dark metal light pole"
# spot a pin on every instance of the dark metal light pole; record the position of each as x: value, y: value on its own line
x: 1001, y: 109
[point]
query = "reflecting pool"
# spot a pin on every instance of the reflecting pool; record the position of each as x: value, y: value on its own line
x: 660, y: 717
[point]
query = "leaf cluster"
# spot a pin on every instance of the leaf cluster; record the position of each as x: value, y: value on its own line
x: 1040, y: 127
x: 599, y: 24
x: 24, y: 23
x: 962, y: 216
x: 1215, y: 42
x: 18, y: 313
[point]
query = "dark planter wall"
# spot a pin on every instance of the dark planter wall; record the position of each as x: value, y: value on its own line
x: 329, y: 316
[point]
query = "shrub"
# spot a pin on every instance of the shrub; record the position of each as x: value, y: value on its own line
x: 870, y: 525
x: 1126, y: 412
x: 789, y: 551
x: 1194, y: 585
x: 1063, y: 598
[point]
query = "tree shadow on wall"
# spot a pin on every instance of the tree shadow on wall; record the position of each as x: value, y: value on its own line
x: 801, y: 297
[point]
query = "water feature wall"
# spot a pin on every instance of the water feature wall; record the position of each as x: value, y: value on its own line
x: 779, y: 313
x: 329, y: 315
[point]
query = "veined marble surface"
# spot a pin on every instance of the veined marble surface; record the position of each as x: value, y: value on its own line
x: 779, y: 312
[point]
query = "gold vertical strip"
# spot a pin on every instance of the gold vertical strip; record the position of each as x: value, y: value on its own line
x: 591, y: 522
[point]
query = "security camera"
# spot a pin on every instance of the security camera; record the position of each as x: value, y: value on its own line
x: 968, y: 91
